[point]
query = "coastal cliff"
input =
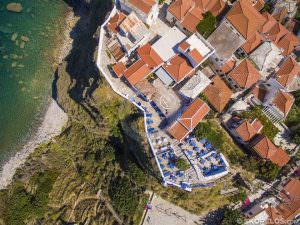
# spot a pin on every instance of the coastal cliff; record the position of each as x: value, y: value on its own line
x: 94, y: 171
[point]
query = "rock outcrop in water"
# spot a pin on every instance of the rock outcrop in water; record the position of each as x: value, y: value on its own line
x: 14, y: 7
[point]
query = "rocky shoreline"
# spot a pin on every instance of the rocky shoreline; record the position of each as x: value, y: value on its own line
x: 54, y: 118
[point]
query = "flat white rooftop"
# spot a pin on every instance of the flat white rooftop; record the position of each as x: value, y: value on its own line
x: 199, y: 43
x: 166, y: 46
x: 195, y: 85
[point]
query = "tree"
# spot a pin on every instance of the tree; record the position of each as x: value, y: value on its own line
x: 182, y: 164
x: 207, y: 25
x: 123, y: 195
x: 232, y: 217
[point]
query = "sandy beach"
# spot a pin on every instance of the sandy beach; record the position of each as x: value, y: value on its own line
x: 54, y: 119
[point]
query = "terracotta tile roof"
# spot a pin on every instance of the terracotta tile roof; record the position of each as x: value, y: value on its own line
x: 259, y: 4
x: 288, y: 210
x: 245, y: 74
x: 280, y: 15
x: 245, y: 18
x: 259, y: 93
x: 288, y: 43
x: 283, y: 101
x: 178, y: 68
x: 143, y: 5
x: 136, y: 72
x: 180, y: 8
x: 195, y: 112
x: 178, y: 131
x: 216, y: 7
x: 149, y: 56
x: 228, y: 66
x: 247, y: 130
x: 276, y: 32
x: 195, y: 55
x: 190, y: 12
x: 288, y: 71
x: 270, y: 22
x: 291, y: 191
x: 184, y: 46
x: 130, y: 22
x: 115, y: 21
x: 119, y: 69
x: 257, y: 125
x: 218, y: 93
x: 191, y: 19
x: 274, y: 215
x: 253, y: 42
x: 267, y: 150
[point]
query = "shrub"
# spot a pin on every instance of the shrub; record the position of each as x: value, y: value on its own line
x: 269, y: 129
x: 241, y: 196
x: 123, y: 195
x: 232, y: 217
x: 182, y: 164
x: 207, y: 25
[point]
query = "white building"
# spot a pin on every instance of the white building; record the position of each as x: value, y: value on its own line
x: 133, y: 33
x: 146, y: 10
x: 167, y: 46
x: 267, y: 57
x: 195, y: 85
x: 196, y: 49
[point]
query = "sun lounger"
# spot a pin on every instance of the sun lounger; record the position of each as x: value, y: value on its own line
x: 148, y: 115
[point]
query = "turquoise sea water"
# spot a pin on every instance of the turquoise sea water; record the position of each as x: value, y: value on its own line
x: 26, y: 73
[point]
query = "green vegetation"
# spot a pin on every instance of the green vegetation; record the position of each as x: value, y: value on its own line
x: 268, y: 7
x: 182, y: 164
x: 219, y: 138
x: 161, y: 2
x: 207, y: 25
x: 293, y: 119
x: 212, y: 131
x: 23, y: 204
x: 239, y: 197
x: 232, y: 217
x: 269, y: 129
x: 297, y: 16
x: 264, y: 170
x: 123, y: 195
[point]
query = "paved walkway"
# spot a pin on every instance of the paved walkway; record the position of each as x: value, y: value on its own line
x: 165, y: 213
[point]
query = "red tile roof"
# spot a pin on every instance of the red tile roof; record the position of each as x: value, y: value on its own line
x: 288, y: 43
x: 270, y: 22
x: 288, y: 71
x: 228, y: 66
x: 283, y: 101
x: 291, y: 191
x: 149, y: 56
x: 196, y: 56
x: 115, y: 21
x: 189, y: 119
x: 191, y: 19
x: 267, y: 150
x: 276, y: 32
x: 184, y: 46
x: 245, y: 18
x: 259, y: 93
x: 247, y: 130
x: 143, y: 5
x: 178, y: 131
x: 190, y: 12
x: 218, y: 94
x: 253, y: 42
x: 194, y: 114
x: 178, y: 68
x: 119, y: 69
x: 288, y: 210
x: 180, y: 8
x: 245, y: 74
x: 280, y: 15
x: 136, y: 72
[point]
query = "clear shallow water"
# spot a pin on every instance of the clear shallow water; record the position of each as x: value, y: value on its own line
x: 26, y: 73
